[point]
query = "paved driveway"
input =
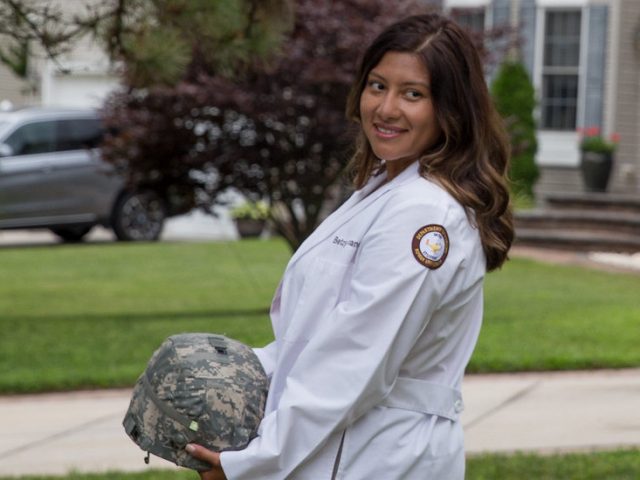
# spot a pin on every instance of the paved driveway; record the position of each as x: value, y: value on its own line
x: 195, y: 226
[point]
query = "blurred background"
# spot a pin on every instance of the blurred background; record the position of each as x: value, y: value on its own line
x: 160, y: 160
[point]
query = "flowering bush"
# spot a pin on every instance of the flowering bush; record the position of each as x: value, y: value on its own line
x: 593, y: 141
x: 251, y: 210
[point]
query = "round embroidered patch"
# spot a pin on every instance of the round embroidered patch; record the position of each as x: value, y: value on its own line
x: 430, y: 246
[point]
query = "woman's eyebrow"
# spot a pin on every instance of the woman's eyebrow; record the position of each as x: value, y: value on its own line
x: 409, y: 83
x: 374, y: 74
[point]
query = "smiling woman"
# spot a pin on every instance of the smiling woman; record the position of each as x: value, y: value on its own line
x: 396, y: 111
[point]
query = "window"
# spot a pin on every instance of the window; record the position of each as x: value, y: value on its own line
x: 560, y: 69
x: 56, y: 136
x: 33, y: 138
x: 78, y: 134
x: 470, y: 18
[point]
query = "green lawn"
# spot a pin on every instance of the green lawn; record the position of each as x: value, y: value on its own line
x: 545, y: 317
x: 616, y: 465
x: 91, y: 315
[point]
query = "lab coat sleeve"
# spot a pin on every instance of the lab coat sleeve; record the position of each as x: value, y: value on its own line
x: 267, y: 357
x: 352, y: 361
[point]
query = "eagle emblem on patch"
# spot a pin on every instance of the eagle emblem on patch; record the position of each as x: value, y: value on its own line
x: 430, y: 246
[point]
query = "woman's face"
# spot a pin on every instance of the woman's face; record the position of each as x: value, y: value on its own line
x: 396, y: 110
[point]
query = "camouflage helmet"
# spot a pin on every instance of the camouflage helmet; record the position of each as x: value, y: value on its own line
x: 197, y: 388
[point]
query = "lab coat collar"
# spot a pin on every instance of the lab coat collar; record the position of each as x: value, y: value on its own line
x: 406, y: 175
x: 374, y: 189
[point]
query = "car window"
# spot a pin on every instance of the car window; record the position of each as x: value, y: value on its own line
x: 78, y: 134
x: 37, y: 137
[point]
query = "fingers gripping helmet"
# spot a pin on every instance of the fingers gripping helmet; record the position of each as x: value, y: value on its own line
x: 197, y: 388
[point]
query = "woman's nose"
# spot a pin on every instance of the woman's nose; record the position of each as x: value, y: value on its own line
x: 388, y: 107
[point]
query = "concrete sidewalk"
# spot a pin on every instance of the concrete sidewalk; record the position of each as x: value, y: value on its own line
x: 542, y: 412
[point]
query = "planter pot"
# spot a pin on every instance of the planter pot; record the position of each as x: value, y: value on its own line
x: 596, y: 170
x: 249, y: 227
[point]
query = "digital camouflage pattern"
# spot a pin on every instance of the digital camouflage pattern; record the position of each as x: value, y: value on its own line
x: 201, y: 388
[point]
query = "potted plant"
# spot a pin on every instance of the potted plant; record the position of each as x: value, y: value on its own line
x: 250, y: 218
x: 596, y: 160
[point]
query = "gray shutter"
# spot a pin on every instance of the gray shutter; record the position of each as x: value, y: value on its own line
x: 595, y: 68
x: 528, y: 33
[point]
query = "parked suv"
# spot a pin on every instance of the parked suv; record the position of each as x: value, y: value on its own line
x: 52, y: 176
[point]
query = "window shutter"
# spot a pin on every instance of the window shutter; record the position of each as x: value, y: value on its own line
x: 595, y: 68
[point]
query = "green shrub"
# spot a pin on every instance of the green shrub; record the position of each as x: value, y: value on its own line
x: 514, y: 97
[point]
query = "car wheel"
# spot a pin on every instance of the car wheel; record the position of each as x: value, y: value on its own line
x: 139, y: 216
x: 72, y: 234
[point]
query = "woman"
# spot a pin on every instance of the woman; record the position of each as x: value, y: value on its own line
x: 379, y: 310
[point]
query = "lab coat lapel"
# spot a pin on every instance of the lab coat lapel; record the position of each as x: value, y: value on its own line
x: 358, y: 202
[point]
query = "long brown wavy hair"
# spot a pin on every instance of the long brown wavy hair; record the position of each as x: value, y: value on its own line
x: 470, y: 159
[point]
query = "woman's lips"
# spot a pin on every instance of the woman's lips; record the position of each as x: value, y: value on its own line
x: 387, y: 131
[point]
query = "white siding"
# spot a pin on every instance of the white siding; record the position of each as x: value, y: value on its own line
x: 13, y: 88
x: 79, y: 78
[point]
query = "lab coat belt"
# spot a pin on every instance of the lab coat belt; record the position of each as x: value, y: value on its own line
x: 426, y: 397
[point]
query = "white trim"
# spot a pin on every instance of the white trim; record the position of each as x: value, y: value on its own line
x: 557, y: 148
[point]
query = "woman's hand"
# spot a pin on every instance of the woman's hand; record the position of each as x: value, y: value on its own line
x: 213, y: 458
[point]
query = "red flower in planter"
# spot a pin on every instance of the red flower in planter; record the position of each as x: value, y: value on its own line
x: 591, y: 140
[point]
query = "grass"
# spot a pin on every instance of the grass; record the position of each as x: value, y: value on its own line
x: 615, y: 465
x: 91, y: 315
x: 546, y: 317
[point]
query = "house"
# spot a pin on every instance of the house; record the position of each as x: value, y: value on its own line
x: 583, y: 57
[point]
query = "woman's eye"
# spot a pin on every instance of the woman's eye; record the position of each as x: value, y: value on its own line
x: 374, y: 85
x: 414, y: 95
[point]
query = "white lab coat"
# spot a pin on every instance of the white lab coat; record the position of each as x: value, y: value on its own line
x: 354, y: 312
